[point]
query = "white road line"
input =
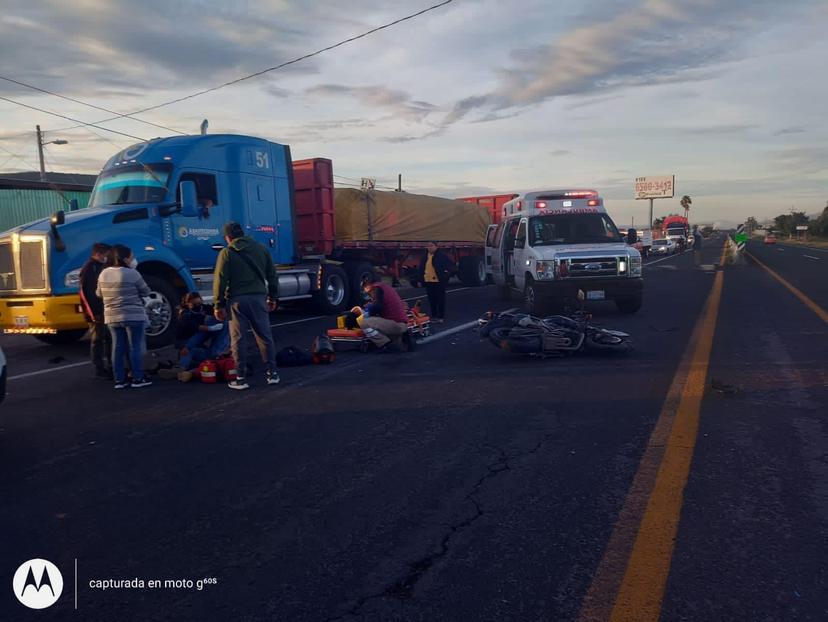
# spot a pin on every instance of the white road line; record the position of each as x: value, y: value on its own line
x: 781, y: 250
x: 304, y: 319
x: 456, y: 329
x: 811, y: 257
x: 650, y: 263
x: 48, y: 371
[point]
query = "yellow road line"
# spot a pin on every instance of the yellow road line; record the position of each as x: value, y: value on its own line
x: 822, y: 313
x: 637, y: 556
x: 642, y: 588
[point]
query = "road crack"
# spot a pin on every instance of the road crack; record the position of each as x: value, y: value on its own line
x: 402, y: 588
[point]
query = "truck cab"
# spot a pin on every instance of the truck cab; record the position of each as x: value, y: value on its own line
x: 552, y: 243
x: 167, y: 199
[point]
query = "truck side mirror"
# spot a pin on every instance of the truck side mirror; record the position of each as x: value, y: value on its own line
x: 73, y: 205
x: 57, y: 219
x: 189, y: 201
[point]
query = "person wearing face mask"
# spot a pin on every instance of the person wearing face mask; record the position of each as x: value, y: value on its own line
x: 100, y: 344
x: 121, y: 288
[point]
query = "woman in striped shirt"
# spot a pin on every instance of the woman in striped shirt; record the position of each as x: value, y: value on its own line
x: 121, y: 287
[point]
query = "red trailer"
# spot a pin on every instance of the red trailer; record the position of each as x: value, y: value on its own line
x: 493, y: 203
x: 316, y: 235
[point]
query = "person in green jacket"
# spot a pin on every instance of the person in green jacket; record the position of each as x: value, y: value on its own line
x: 245, y: 282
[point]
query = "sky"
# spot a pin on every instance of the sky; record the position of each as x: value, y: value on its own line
x: 475, y: 97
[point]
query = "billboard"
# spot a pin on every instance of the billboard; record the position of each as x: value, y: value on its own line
x: 659, y: 187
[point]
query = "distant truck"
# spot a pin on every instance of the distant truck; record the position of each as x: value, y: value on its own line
x: 168, y: 198
x: 676, y: 228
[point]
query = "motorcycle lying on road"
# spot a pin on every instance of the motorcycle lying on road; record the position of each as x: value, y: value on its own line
x: 555, y: 335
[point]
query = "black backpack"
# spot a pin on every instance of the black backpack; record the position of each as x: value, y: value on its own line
x: 291, y: 356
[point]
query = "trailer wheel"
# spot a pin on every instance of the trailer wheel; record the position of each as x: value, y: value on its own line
x: 160, y: 307
x: 62, y: 337
x: 472, y: 271
x: 359, y: 273
x: 332, y: 298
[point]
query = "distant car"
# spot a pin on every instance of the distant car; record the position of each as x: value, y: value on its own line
x: 770, y: 239
x: 664, y: 247
x: 2, y: 375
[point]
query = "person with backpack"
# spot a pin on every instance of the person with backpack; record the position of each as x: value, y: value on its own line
x: 121, y: 287
x: 246, y: 288
x: 100, y: 342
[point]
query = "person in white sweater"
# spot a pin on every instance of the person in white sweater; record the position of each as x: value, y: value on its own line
x: 121, y: 287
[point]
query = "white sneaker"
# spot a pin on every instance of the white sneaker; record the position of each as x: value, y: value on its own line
x: 140, y: 383
x: 239, y: 384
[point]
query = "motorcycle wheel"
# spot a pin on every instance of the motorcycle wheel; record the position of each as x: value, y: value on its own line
x: 607, y: 343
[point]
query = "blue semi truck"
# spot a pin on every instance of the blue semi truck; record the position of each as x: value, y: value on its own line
x: 166, y: 199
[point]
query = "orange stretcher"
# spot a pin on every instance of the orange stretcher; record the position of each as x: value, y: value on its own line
x: 419, y: 327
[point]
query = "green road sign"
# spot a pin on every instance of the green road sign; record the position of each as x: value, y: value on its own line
x: 741, y: 237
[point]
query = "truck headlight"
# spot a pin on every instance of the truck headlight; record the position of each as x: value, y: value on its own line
x: 72, y: 279
x: 545, y: 270
x: 635, y: 265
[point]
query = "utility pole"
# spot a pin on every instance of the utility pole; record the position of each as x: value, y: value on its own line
x: 40, y: 144
x: 40, y: 154
x: 651, y: 214
x: 399, y: 182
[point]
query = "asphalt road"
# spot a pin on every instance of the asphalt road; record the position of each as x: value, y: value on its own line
x: 453, y: 483
x: 804, y: 267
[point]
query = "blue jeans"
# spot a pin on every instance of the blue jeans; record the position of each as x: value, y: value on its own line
x: 206, y: 345
x: 128, y: 340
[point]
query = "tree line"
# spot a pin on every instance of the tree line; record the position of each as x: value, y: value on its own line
x: 787, y: 223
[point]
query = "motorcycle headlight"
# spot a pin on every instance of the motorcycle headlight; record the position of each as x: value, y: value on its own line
x: 72, y: 279
x: 635, y: 265
x: 545, y: 270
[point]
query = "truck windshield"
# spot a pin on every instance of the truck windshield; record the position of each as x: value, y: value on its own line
x: 138, y: 183
x: 572, y: 229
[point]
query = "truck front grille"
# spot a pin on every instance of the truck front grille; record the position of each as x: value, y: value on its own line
x: 590, y: 267
x: 32, y: 268
x: 8, y: 280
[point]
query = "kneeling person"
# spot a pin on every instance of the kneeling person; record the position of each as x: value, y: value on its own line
x: 385, y: 318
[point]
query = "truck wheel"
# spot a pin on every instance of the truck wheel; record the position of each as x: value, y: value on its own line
x: 333, y: 296
x: 62, y: 337
x: 472, y: 271
x: 629, y: 305
x: 358, y: 273
x: 160, y: 307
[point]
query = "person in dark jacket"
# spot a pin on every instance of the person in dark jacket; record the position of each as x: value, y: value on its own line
x: 100, y: 342
x: 245, y: 282
x: 435, y: 272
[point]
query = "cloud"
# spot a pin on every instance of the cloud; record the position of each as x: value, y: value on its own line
x: 719, y: 129
x: 791, y: 130
x: 653, y: 42
x: 399, y: 103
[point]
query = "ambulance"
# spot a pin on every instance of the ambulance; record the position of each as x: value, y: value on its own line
x: 553, y: 243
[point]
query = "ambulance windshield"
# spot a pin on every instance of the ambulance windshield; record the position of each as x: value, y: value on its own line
x: 552, y: 229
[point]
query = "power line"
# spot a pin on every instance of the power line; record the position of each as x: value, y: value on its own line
x: 269, y: 69
x: 83, y: 103
x: 62, y: 116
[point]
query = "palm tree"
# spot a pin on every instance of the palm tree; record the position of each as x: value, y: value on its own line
x: 685, y: 203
